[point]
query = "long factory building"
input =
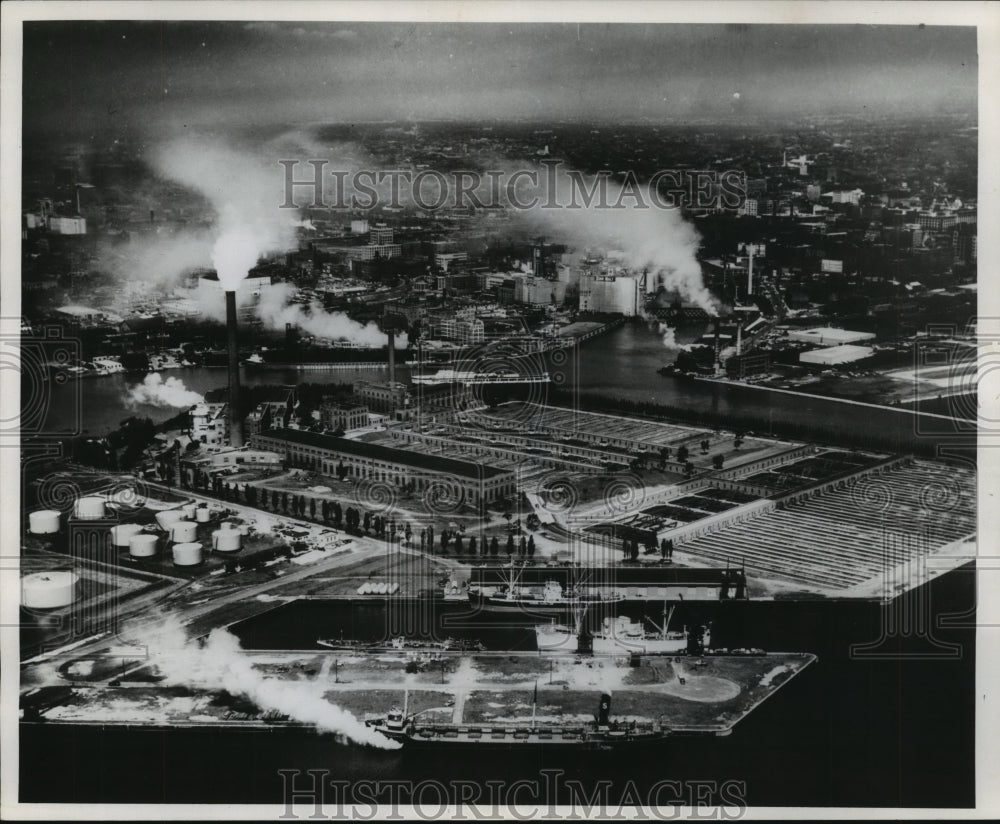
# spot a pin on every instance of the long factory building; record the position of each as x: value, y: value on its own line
x: 324, y: 453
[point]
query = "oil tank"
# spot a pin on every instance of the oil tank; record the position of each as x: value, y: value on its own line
x: 183, y: 531
x: 202, y: 515
x: 90, y: 508
x: 188, y: 510
x: 49, y: 590
x: 226, y: 540
x: 187, y: 554
x: 169, y: 516
x: 43, y: 521
x: 121, y: 535
x: 142, y: 545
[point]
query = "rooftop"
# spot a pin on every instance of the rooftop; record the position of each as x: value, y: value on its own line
x: 364, y: 449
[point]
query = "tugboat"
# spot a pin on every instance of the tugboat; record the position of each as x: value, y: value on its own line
x: 601, y: 733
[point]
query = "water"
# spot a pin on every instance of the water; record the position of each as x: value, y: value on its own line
x: 620, y: 364
x: 846, y: 732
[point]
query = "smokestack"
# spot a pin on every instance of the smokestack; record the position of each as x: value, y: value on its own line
x: 392, y: 355
x: 750, y: 274
x: 739, y: 337
x: 235, y: 424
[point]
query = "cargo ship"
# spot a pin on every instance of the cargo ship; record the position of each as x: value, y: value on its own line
x: 601, y: 733
x: 550, y: 597
x: 622, y: 635
x: 442, y: 377
x: 399, y: 644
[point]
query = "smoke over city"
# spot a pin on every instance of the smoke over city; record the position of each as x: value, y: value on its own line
x: 155, y: 391
x: 654, y: 239
x: 276, y: 310
x: 221, y: 664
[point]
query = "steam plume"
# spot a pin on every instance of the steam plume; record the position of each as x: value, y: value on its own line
x: 276, y: 310
x: 155, y: 391
x: 669, y: 336
x: 222, y: 665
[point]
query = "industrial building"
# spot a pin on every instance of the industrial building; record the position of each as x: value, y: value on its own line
x: 475, y: 483
x: 611, y: 294
x: 828, y: 336
x: 835, y: 355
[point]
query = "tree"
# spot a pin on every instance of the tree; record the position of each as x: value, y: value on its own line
x: 682, y: 453
x: 312, y: 508
x: 494, y: 547
x: 338, y: 514
x: 531, y: 546
x: 368, y: 521
x: 705, y: 444
x: 341, y: 471
x: 718, y: 461
x: 472, y: 545
x: 444, y: 541
x: 510, y: 545
x: 688, y: 469
x: 738, y: 439
x: 458, y: 544
x: 522, y: 547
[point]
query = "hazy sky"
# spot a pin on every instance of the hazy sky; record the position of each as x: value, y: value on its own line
x: 83, y: 77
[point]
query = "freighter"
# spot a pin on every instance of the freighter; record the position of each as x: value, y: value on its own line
x: 550, y: 597
x: 601, y: 733
x: 622, y: 635
x: 442, y: 377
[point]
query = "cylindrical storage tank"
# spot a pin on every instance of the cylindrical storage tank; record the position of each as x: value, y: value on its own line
x: 188, y: 510
x: 187, y: 554
x: 48, y: 590
x: 90, y: 508
x: 142, y: 545
x: 226, y: 540
x: 122, y: 534
x: 43, y: 521
x: 168, y: 517
x: 183, y: 531
x: 202, y: 515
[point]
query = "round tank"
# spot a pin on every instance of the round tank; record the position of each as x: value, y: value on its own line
x: 183, y: 531
x: 43, y: 521
x: 188, y: 510
x: 122, y: 534
x: 168, y: 517
x: 226, y: 540
x: 187, y: 554
x: 202, y: 515
x: 48, y: 590
x: 142, y: 545
x: 90, y: 508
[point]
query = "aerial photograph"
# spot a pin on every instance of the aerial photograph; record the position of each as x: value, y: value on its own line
x: 494, y: 415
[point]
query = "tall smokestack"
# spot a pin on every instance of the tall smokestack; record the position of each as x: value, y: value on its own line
x: 392, y: 355
x: 750, y: 274
x: 235, y: 424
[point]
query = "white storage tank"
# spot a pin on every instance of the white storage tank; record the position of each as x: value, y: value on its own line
x: 168, y: 517
x: 142, y: 545
x: 188, y: 510
x: 49, y: 590
x: 187, y: 554
x: 43, y: 521
x: 226, y: 540
x: 202, y: 515
x: 122, y: 534
x: 90, y: 508
x: 183, y: 531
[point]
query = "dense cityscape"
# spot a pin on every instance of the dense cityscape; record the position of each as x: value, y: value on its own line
x: 314, y: 440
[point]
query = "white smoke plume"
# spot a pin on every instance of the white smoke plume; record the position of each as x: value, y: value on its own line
x: 650, y: 238
x: 221, y: 664
x: 155, y: 391
x: 669, y: 336
x: 275, y: 310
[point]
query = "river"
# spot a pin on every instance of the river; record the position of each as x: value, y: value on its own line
x: 620, y: 364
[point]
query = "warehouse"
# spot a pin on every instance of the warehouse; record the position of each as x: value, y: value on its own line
x: 828, y: 336
x: 325, y: 453
x: 835, y: 355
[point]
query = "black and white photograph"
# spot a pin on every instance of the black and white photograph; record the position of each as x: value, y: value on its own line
x: 454, y: 411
